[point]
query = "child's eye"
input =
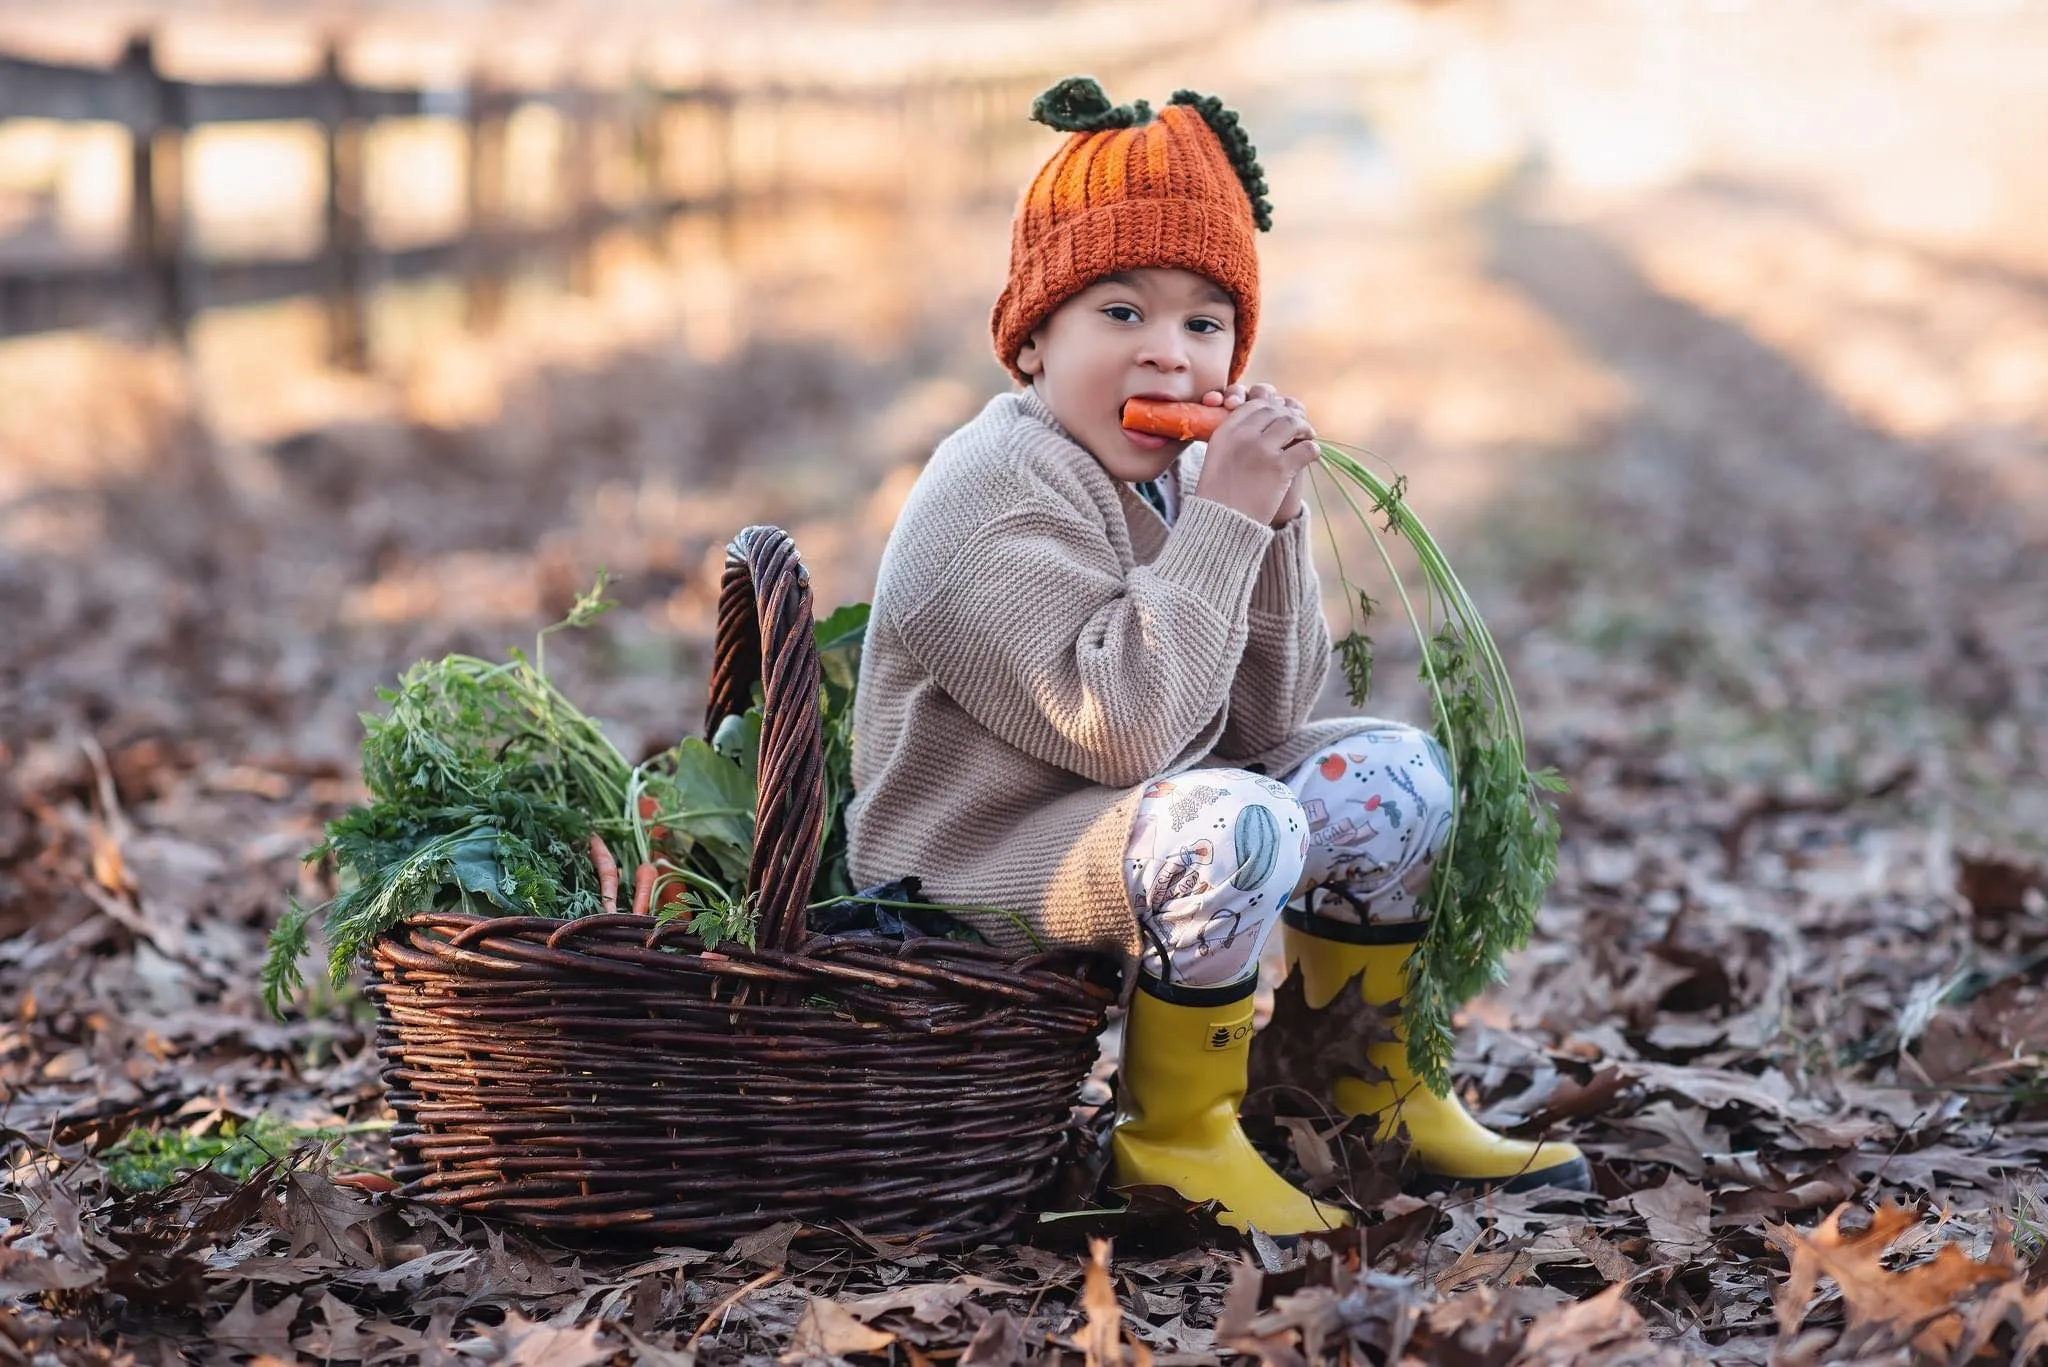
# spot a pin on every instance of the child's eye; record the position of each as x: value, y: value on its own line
x: 1122, y: 313
x: 1205, y: 326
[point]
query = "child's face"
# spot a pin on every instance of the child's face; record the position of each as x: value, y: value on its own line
x: 1152, y: 333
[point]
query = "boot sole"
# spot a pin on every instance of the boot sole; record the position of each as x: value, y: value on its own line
x: 1571, y: 1175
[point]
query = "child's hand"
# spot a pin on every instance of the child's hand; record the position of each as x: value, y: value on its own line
x: 1260, y: 455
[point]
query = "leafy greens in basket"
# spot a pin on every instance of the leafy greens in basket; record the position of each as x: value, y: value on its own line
x: 487, y: 786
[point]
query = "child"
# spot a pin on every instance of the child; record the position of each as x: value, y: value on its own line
x: 1086, y: 686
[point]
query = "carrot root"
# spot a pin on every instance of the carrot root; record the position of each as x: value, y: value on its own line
x: 607, y: 873
x: 643, y: 889
x: 648, y: 808
x: 1174, y: 421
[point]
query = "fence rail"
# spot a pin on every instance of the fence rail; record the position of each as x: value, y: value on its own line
x: 162, y: 282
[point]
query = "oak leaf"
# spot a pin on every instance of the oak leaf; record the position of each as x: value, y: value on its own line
x: 829, y: 1332
x: 1925, y: 1305
x: 1304, y: 1050
x: 250, y: 1330
x: 529, y: 1343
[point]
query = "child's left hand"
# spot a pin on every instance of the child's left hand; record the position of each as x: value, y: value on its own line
x: 1236, y: 396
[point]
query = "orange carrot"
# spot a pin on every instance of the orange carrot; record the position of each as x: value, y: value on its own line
x: 643, y: 888
x: 607, y: 873
x: 648, y: 807
x: 1177, y: 421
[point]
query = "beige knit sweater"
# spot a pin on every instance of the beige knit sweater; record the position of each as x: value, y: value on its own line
x: 1042, y: 646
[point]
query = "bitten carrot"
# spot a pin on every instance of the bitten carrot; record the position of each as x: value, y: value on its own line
x: 607, y: 873
x: 1176, y: 421
x: 643, y: 889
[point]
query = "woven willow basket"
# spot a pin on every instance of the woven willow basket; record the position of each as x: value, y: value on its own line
x: 608, y: 1074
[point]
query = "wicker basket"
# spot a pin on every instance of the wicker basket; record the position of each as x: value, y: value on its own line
x: 608, y: 1074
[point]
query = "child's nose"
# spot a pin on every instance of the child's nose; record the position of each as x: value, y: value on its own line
x: 1163, y: 349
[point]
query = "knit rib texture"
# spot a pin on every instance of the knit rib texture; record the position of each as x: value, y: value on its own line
x: 1042, y: 646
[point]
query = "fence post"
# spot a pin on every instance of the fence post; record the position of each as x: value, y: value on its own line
x: 347, y: 325
x: 723, y: 135
x: 996, y: 126
x: 772, y: 110
x: 156, y: 192
x: 649, y: 112
x: 909, y: 178
x: 483, y: 292
x: 585, y: 111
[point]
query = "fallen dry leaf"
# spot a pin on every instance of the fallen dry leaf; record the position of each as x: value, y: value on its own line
x: 1102, y: 1337
x: 829, y: 1332
x: 1603, y: 1329
x: 324, y: 1219
x: 1679, y: 1216
x: 25, y: 1274
x: 339, y: 1335
x: 998, y: 1343
x: 1925, y: 1304
x: 1302, y: 1051
x: 521, y: 1342
x: 768, y: 1248
x: 247, y: 1329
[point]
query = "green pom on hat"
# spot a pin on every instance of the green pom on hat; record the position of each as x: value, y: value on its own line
x: 1077, y: 105
x: 1237, y: 145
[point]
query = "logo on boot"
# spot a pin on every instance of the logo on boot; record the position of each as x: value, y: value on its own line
x: 1224, y: 1034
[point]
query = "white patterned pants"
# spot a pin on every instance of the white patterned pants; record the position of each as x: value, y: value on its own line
x: 1215, y: 854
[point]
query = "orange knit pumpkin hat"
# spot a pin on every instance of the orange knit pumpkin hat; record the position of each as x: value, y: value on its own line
x: 1126, y: 191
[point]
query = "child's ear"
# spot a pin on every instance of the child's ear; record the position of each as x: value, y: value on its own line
x: 1030, y: 360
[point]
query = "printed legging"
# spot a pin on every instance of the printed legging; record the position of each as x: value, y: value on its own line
x: 1216, y: 853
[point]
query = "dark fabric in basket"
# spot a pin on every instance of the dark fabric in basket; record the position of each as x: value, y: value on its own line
x: 867, y: 913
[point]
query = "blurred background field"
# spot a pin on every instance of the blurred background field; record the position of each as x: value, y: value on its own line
x: 1712, y: 336
x: 1664, y: 269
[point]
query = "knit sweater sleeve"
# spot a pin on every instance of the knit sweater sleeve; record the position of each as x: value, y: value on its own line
x: 1036, y: 630
x: 1287, y: 648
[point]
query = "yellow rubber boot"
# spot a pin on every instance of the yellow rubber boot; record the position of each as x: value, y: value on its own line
x: 1182, y: 1077
x: 1450, y: 1147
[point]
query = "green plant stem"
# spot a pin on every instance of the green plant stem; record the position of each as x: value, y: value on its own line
x: 1436, y: 690
x: 1483, y: 898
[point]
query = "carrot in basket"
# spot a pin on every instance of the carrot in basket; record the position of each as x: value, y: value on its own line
x: 648, y: 808
x: 607, y: 873
x: 1177, y: 421
x: 643, y: 889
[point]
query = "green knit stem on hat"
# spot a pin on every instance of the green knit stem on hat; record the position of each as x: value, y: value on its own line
x: 1077, y: 105
x: 1244, y: 158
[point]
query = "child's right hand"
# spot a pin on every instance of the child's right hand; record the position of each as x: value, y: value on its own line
x: 1258, y: 453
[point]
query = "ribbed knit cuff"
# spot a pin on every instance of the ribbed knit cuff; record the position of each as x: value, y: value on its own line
x: 1286, y: 572
x: 1213, y: 551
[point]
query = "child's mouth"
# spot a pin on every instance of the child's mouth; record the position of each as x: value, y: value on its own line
x: 1146, y: 441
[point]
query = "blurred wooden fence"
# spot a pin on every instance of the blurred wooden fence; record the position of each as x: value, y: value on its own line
x: 162, y: 280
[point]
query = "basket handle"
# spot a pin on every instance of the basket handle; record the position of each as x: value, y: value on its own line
x: 765, y: 635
